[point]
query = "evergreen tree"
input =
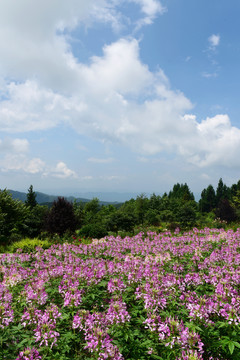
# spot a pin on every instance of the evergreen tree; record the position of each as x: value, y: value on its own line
x: 181, y: 191
x: 235, y: 188
x: 208, y: 199
x: 61, y: 217
x: 155, y: 202
x: 31, y: 198
x: 141, y: 206
x: 222, y: 192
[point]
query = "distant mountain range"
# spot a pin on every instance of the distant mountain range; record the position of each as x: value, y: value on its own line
x: 45, y: 199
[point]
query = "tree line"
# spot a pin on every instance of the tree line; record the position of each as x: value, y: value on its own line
x: 178, y: 208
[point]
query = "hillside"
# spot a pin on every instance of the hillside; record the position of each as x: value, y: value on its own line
x: 45, y: 199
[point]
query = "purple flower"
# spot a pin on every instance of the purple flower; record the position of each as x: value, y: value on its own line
x: 29, y: 354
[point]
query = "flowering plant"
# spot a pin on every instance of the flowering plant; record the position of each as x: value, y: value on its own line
x: 159, y: 296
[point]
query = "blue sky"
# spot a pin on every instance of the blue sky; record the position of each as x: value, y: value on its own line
x: 124, y: 96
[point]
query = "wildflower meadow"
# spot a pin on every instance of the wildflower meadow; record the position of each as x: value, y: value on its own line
x: 150, y: 296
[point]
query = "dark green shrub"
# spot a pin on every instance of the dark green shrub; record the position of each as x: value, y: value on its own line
x: 121, y: 221
x: 225, y: 211
x: 93, y: 231
x: 12, y: 216
x: 61, y: 217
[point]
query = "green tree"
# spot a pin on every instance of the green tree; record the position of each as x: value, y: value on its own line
x: 78, y: 208
x: 61, y: 217
x: 236, y: 199
x: 222, y: 192
x: 208, y: 199
x: 234, y: 189
x: 225, y: 211
x: 31, y: 198
x: 119, y: 220
x: 152, y: 217
x: 155, y: 202
x: 91, y: 210
x: 181, y: 191
x: 34, y: 220
x: 12, y: 216
x: 141, y: 207
x: 186, y: 215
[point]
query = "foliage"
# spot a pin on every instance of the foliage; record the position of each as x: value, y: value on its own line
x: 208, y: 199
x: 31, y: 198
x: 119, y: 220
x: 61, y: 217
x: 159, y: 296
x: 222, y: 192
x: 96, y: 230
x: 186, y: 215
x: 12, y: 216
x: 176, y: 209
x: 181, y: 191
x: 225, y: 211
x: 141, y: 206
x: 28, y: 245
x: 34, y: 220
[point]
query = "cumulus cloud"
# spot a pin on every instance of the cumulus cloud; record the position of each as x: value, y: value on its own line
x: 30, y: 107
x: 62, y: 171
x: 8, y: 145
x: 214, y: 142
x: 20, y: 162
x: 115, y: 97
x: 214, y: 41
x: 14, y: 157
x: 150, y: 8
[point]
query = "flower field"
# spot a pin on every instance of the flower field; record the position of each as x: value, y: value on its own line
x: 159, y: 296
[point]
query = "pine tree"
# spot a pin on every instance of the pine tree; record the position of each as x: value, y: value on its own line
x: 208, y: 199
x: 31, y: 198
x: 222, y: 192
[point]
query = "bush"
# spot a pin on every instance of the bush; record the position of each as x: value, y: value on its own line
x: 29, y: 245
x: 121, y: 221
x: 12, y: 215
x: 225, y: 211
x: 93, y: 231
x: 61, y: 217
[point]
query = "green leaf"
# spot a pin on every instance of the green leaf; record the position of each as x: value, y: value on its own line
x: 236, y: 344
x: 103, y: 283
x: 231, y: 347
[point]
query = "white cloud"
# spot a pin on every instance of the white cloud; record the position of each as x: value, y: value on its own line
x: 20, y: 162
x: 215, y: 142
x: 29, y: 107
x: 150, y: 8
x: 115, y: 97
x: 62, y: 171
x: 14, y: 157
x: 34, y: 166
x: 122, y: 101
x: 8, y: 145
x: 214, y: 41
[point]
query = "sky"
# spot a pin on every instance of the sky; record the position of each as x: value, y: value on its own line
x: 119, y: 95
